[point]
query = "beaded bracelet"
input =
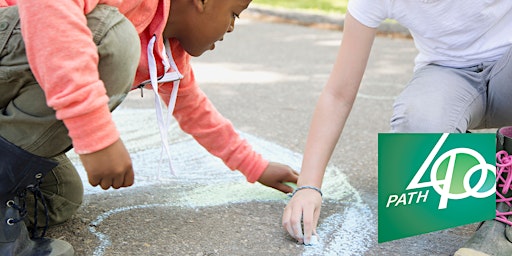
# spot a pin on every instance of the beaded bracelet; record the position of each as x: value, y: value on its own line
x: 307, y: 187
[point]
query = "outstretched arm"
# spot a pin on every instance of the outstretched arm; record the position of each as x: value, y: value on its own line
x: 198, y: 117
x: 330, y: 115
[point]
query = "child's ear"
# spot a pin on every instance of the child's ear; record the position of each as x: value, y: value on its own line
x: 199, y: 4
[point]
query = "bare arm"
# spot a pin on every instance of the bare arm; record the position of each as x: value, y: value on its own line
x: 331, y: 113
x: 336, y: 100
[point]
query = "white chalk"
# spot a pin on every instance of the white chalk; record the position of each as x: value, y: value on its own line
x: 312, y: 241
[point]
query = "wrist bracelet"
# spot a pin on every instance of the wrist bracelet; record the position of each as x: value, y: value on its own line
x: 307, y: 187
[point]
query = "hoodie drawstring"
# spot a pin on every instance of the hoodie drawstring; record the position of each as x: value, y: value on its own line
x: 173, y: 76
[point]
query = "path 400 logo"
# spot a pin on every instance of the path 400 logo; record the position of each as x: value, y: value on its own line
x: 444, y: 186
x: 429, y: 182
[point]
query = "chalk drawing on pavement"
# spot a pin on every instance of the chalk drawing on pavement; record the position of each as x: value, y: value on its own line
x: 349, y: 232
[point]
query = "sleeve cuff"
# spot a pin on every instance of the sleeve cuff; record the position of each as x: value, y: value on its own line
x: 93, y: 131
x: 253, y: 170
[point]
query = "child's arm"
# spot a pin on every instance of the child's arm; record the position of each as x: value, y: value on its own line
x: 64, y: 60
x: 198, y: 117
x: 329, y: 118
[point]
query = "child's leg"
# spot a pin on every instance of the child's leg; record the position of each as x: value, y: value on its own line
x: 499, y: 105
x: 119, y: 52
x: 440, y: 99
x: 26, y: 120
x: 494, y: 237
x: 63, y: 192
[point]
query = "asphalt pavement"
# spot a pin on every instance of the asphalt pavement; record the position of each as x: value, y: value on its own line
x: 265, y: 77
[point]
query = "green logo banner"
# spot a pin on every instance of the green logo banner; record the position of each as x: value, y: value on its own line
x: 433, y: 181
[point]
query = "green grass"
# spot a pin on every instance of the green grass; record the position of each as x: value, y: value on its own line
x: 334, y: 6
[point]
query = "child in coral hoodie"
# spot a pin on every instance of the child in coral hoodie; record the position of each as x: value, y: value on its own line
x: 64, y: 65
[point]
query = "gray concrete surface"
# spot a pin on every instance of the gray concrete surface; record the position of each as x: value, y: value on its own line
x: 265, y: 77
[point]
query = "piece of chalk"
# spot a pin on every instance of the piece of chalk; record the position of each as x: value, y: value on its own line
x: 290, y: 184
x: 312, y: 241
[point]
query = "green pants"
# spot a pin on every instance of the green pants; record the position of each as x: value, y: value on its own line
x: 27, y: 121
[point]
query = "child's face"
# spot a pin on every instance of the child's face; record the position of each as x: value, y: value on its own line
x: 212, y: 20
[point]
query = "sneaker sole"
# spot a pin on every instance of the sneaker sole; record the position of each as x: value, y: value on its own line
x: 469, y: 252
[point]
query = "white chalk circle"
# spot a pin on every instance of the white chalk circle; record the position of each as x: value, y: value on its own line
x: 347, y: 233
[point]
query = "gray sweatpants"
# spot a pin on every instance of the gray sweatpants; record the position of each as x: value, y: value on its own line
x: 444, y: 99
x: 27, y: 121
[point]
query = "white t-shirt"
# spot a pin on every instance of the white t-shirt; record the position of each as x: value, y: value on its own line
x: 455, y: 33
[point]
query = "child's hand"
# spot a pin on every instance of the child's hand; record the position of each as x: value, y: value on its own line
x: 109, y: 167
x: 276, y: 174
x: 305, y: 205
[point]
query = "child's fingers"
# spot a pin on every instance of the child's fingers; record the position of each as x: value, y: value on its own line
x: 106, y: 183
x: 292, y: 222
x: 293, y: 177
x: 295, y: 224
x: 307, y: 219
x: 316, y: 216
x: 129, y: 179
x: 94, y: 181
x: 118, y: 182
x: 283, y: 187
x: 297, y: 231
x: 286, y: 222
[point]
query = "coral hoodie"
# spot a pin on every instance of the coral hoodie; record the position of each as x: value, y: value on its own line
x: 64, y: 60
